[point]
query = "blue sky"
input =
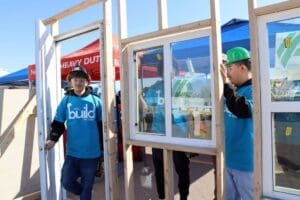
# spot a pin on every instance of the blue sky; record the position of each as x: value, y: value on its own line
x: 18, y: 18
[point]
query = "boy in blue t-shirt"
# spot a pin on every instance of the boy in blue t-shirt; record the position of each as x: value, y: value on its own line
x: 238, y: 124
x: 82, y: 112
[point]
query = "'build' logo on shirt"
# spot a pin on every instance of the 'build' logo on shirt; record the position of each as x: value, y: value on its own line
x: 160, y: 100
x: 81, y: 114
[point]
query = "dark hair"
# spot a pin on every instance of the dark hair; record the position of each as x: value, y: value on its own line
x: 246, y: 62
x: 78, y: 72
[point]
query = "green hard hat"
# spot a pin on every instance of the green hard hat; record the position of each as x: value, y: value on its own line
x: 237, y: 54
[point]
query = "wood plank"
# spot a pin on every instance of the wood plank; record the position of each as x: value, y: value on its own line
x: 162, y: 14
x: 218, y: 95
x: 70, y: 11
x: 34, y: 195
x: 78, y: 31
x: 204, y: 162
x: 107, y: 77
x: 168, y: 31
x: 56, y: 93
x: 127, y: 148
x: 122, y: 16
x: 278, y: 7
x: 128, y: 171
x: 175, y: 147
x: 257, y: 125
x: 168, y: 174
x: 54, y: 28
x: 7, y: 138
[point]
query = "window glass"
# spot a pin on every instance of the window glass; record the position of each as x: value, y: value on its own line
x: 284, y: 43
x: 151, y: 95
x: 286, y: 129
x: 191, y: 89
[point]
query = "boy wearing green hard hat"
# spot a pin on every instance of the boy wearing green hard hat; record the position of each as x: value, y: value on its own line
x: 238, y: 123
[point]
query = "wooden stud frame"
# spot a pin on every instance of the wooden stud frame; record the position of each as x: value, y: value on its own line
x: 254, y: 13
x: 47, y: 100
x: 107, y: 77
x: 85, y: 4
x: 111, y: 182
x: 214, y: 24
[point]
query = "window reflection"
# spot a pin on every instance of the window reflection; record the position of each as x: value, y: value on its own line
x: 287, y: 150
x: 151, y: 100
x: 191, y: 89
x: 284, y: 40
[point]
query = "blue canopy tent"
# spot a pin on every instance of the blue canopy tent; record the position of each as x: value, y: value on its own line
x: 19, y: 77
x: 235, y: 33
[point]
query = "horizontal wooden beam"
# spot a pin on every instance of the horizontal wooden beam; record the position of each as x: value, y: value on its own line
x: 34, y: 195
x: 79, y: 31
x: 168, y: 31
x: 70, y: 11
x: 175, y: 147
x: 278, y: 7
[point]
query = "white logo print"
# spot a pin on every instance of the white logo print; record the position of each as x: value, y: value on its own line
x: 81, y: 114
x: 160, y: 100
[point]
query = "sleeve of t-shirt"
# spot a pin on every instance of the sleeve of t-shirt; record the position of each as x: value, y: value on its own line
x: 241, y: 106
x: 61, y: 110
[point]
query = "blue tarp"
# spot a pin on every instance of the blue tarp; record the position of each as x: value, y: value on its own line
x: 19, y: 77
x: 235, y: 33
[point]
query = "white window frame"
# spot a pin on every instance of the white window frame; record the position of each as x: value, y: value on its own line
x: 165, y: 42
x: 269, y: 107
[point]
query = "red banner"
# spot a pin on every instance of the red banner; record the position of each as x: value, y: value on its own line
x: 89, y: 57
x: 31, y: 72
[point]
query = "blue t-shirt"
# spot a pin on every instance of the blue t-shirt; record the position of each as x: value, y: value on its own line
x: 239, y: 135
x: 154, y: 97
x: 81, y: 115
x: 180, y: 123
